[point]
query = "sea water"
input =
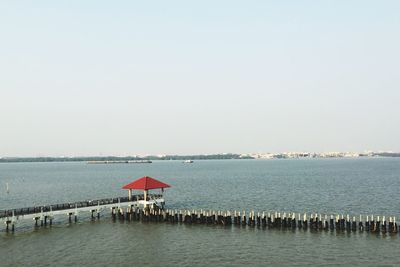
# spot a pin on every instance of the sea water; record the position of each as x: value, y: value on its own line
x: 363, y: 186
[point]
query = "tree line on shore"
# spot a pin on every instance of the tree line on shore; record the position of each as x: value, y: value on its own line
x: 127, y: 158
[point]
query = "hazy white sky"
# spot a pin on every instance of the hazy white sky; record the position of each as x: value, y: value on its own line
x: 186, y: 77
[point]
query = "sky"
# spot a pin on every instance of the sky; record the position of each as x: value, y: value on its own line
x: 89, y: 78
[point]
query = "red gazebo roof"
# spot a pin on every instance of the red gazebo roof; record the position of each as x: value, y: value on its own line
x: 145, y: 183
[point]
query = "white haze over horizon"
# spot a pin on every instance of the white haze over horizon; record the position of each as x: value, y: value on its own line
x: 90, y: 78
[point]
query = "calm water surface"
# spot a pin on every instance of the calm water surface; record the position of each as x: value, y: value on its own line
x: 348, y: 186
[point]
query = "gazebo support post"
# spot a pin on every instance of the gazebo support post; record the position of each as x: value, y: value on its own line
x: 162, y: 195
x: 145, y: 198
x: 130, y: 194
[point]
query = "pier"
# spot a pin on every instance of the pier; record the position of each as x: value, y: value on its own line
x: 148, y: 207
x: 44, y: 215
x: 120, y: 205
x: 117, y: 161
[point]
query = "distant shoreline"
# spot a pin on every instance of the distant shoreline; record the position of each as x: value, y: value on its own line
x: 198, y: 157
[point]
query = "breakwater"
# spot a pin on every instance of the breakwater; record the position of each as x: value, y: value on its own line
x: 272, y: 220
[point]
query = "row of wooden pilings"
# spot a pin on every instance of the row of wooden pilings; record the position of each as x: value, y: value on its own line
x: 377, y: 224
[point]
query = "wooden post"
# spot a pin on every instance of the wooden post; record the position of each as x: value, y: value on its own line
x: 342, y: 223
x: 384, y: 228
x: 193, y: 216
x: 354, y: 224
x: 360, y: 225
x: 372, y: 226
x: 273, y: 220
x: 320, y: 223
x: 129, y: 212
x: 166, y: 215
x: 338, y: 222
x: 160, y: 215
x: 278, y: 220
x: 180, y: 216
x: 378, y: 224
x: 299, y: 222
x: 331, y: 223
x: 294, y: 220
x: 175, y: 216
x: 113, y: 213
x: 263, y: 220
x: 284, y: 220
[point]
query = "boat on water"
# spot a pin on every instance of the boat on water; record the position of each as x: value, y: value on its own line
x: 188, y: 161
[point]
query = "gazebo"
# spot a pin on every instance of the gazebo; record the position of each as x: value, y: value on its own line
x: 145, y: 183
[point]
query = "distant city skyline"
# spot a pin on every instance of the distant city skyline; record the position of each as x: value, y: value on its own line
x: 189, y: 158
x: 287, y: 154
x: 89, y: 78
